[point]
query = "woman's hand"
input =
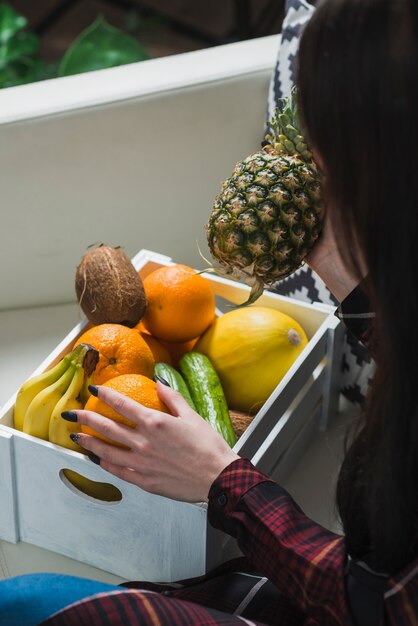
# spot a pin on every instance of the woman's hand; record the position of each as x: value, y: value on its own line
x: 177, y: 455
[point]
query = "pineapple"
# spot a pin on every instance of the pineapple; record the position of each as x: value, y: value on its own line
x: 269, y: 212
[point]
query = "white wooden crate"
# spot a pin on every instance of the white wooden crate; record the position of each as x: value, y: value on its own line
x: 146, y: 536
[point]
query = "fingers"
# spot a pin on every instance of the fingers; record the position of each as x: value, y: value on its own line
x: 137, y: 465
x: 108, y: 428
x: 137, y: 412
x: 104, y: 452
x: 122, y: 404
x: 174, y: 401
x: 176, y: 456
x: 147, y: 420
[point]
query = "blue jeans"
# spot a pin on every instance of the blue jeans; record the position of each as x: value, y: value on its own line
x: 28, y: 600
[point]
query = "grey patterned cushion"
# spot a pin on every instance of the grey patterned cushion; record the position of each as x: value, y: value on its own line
x: 304, y: 284
x: 298, y: 13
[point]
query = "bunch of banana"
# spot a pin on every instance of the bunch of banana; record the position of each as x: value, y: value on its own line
x: 41, y: 399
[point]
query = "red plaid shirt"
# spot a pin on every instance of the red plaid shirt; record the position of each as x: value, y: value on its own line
x: 302, y: 559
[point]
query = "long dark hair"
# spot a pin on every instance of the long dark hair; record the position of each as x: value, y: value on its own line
x: 358, y: 93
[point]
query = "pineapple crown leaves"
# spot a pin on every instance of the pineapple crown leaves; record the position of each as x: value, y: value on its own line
x: 286, y: 136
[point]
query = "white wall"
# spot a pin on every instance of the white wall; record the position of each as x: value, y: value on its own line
x: 131, y: 156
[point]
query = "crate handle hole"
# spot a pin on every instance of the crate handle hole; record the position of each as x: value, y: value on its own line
x: 105, y: 493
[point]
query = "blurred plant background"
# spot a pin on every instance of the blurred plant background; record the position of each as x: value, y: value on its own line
x: 41, y: 39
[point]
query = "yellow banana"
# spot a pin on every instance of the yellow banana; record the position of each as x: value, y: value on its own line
x: 35, y: 385
x: 38, y: 414
x: 75, y: 397
x: 85, y: 393
x: 60, y: 429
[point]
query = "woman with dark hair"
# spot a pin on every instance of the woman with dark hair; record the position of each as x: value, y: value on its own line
x: 358, y: 92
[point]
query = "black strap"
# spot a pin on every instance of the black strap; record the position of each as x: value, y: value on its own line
x: 355, y: 312
x: 365, y: 594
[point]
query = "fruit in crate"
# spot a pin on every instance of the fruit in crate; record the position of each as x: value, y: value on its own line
x: 159, y: 352
x: 58, y: 389
x: 109, y: 289
x: 240, y: 421
x: 135, y: 386
x: 180, y: 303
x: 33, y: 386
x: 269, y: 212
x: 177, y: 350
x: 41, y: 400
x: 75, y: 397
x: 252, y: 348
x: 122, y: 350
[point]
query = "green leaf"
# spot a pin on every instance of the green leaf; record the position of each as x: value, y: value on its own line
x: 98, y: 47
x: 10, y: 23
x: 25, y: 71
x: 20, y: 46
x: 17, y: 48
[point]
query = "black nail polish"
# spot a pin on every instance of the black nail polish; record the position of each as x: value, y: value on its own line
x: 70, y: 416
x: 93, y: 390
x: 162, y: 380
x: 94, y: 458
x: 74, y: 437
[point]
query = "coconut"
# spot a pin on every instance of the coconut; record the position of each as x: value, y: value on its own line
x: 108, y: 287
x: 240, y: 421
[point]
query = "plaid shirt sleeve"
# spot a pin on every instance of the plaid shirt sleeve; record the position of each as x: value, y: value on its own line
x: 299, y: 556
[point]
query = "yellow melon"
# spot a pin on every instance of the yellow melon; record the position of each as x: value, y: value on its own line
x: 251, y: 349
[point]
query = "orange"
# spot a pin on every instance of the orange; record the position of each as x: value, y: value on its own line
x: 122, y: 350
x: 160, y: 353
x: 177, y: 350
x: 141, y: 328
x: 180, y: 303
x: 135, y: 386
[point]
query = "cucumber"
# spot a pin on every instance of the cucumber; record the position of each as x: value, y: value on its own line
x: 207, y: 393
x: 175, y: 379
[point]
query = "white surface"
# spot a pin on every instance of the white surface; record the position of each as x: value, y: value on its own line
x: 27, y: 336
x: 131, y: 156
x: 154, y: 76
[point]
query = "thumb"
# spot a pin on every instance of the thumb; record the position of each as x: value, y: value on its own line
x: 173, y: 400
